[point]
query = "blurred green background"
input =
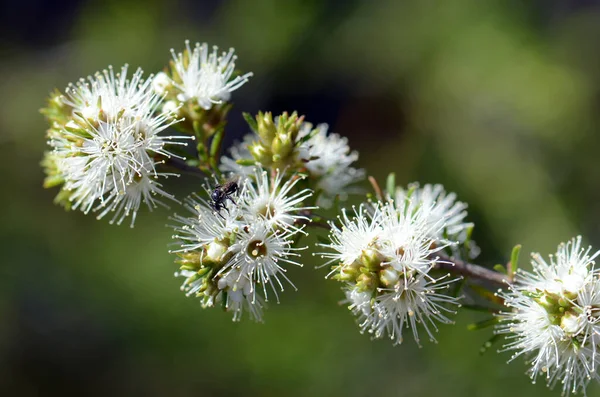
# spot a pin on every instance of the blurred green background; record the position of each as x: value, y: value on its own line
x: 497, y: 100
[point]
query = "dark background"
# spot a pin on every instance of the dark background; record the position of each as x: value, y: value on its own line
x: 497, y: 100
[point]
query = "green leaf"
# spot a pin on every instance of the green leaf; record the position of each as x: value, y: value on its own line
x: 322, y: 239
x: 306, y: 137
x: 251, y: 121
x: 487, y: 295
x: 199, y: 131
x: 500, y: 268
x: 514, y: 260
x: 246, y: 162
x: 215, y: 145
x: 411, y: 189
x: 390, y: 184
x: 202, y: 154
x: 53, y: 180
x: 488, y: 322
x: 469, y: 233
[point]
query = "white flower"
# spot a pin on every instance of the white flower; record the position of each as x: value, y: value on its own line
x: 554, y: 317
x: 355, y: 236
x: 325, y: 157
x: 240, y: 253
x: 104, y: 159
x: 439, y: 207
x: 160, y: 83
x: 270, y: 199
x: 111, y: 94
x: 107, y: 152
x: 170, y: 107
x: 204, y: 76
x: 384, y: 257
x: 143, y: 188
x: 408, y: 237
x: 205, y: 226
x: 567, y: 272
x: 411, y: 302
x: 360, y: 303
x: 261, y: 254
x: 239, y: 151
x: 328, y: 158
x: 240, y: 295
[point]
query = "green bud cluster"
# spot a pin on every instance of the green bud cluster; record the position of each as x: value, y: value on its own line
x: 56, y: 112
x: 278, y: 142
x: 60, y: 118
x: 205, y: 263
x: 206, y: 125
x: 369, y: 272
x: 72, y: 128
x: 563, y: 309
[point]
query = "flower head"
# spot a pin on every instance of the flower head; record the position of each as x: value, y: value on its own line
x: 261, y: 256
x: 328, y: 159
x: 239, y: 152
x: 273, y: 201
x: 202, y: 76
x: 287, y: 142
x: 412, y: 301
x: 385, y: 256
x: 555, y: 317
x: 105, y: 153
x: 241, y: 255
x: 440, y: 206
x: 110, y: 94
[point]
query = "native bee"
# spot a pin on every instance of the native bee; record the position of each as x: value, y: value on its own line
x: 221, y: 194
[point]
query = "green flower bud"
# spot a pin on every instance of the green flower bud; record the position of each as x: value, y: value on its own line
x: 366, y: 282
x: 348, y: 272
x: 282, y: 146
x: 290, y: 125
x: 260, y: 154
x: 215, y: 251
x: 571, y: 323
x: 389, y: 277
x: 56, y: 111
x: 371, y: 259
x: 266, y: 127
x: 189, y: 259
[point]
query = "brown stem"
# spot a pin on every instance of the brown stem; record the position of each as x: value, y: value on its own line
x: 443, y: 262
x: 457, y: 266
x: 376, y: 187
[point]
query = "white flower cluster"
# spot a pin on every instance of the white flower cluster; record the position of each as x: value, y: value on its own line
x: 202, y: 76
x: 386, y: 257
x: 106, y: 148
x: 442, y: 208
x: 555, y: 317
x: 227, y: 256
x: 326, y: 158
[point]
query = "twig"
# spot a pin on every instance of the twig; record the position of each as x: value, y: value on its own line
x: 470, y: 270
x: 376, y: 187
x: 443, y: 262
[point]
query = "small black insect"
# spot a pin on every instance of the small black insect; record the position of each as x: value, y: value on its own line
x: 222, y: 193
